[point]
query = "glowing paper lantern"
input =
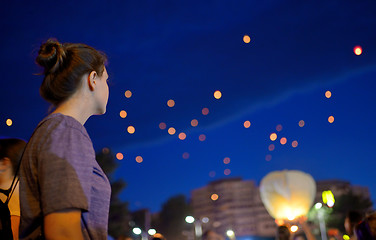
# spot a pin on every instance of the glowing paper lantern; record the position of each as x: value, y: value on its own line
x: 287, y: 194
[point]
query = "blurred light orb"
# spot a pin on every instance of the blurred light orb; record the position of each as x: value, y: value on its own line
x: 139, y: 159
x: 136, y: 231
x: 212, y: 174
x: 162, y: 125
x: 227, y: 172
x: 279, y: 128
x: 226, y: 160
x: 105, y: 150
x: 328, y: 94
x: 171, y: 103
x: 205, y: 219
x: 246, y: 39
x: 171, y: 131
x: 9, y: 122
x: 182, y: 136
x: 331, y: 119
x: 194, y: 123
x: 294, y: 144
x: 271, y: 147
x: 230, y: 233
x: 123, y: 114
x: 131, y: 129
x: 205, y: 111
x: 185, y: 155
x: 283, y: 141
x: 189, y: 219
x: 119, y: 156
x: 346, y: 237
x: 268, y: 157
x: 247, y: 124
x: 318, y: 205
x: 128, y: 94
x: 214, y: 197
x: 294, y: 228
x: 301, y: 123
x: 202, y: 137
x: 358, y: 50
x: 217, y: 94
x: 152, y: 231
x: 273, y: 136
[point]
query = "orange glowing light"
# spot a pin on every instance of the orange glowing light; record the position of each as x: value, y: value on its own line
x: 214, y: 197
x: 283, y: 141
x: 170, y: 103
x: 162, y: 125
x: 331, y: 119
x: 358, y: 50
x: 247, y: 124
x: 131, y: 129
x: 171, y: 131
x: 268, y: 157
x: 273, y: 136
x: 123, y: 114
x: 105, y: 150
x: 279, y: 128
x: 217, y: 94
x: 202, y: 137
x: 205, y: 111
x: 119, y: 156
x: 194, y: 123
x: 182, y: 136
x: 301, y: 123
x: 227, y: 172
x: 139, y: 159
x: 246, y: 39
x: 294, y: 143
x: 328, y: 94
x: 226, y: 160
x: 271, y: 147
x: 185, y: 155
x: 128, y: 94
x: 9, y: 122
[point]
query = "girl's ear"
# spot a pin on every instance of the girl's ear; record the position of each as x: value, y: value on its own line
x: 91, y: 80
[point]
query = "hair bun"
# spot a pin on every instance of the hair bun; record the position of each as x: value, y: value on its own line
x: 50, y: 56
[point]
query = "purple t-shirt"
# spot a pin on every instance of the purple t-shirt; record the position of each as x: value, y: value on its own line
x: 59, y: 171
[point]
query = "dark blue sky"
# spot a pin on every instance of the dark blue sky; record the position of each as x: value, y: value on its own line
x: 185, y: 50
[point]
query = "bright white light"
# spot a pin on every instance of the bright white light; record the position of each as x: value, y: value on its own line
x: 152, y: 231
x: 136, y: 231
x: 205, y: 220
x: 318, y: 205
x: 294, y: 228
x: 330, y: 203
x: 230, y: 233
x: 189, y: 219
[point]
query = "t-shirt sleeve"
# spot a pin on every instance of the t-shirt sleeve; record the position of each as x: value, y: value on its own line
x: 64, y: 169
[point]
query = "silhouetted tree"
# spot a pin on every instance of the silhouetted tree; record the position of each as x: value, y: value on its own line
x: 119, y: 214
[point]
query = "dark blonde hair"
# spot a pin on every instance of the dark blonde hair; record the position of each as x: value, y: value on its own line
x: 64, y: 65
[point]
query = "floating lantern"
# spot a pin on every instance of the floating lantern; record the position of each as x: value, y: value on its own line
x: 287, y: 194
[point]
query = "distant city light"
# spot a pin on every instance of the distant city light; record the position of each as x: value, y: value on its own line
x: 131, y: 129
x: 273, y: 136
x: 152, y: 231
x: 171, y: 131
x: 214, y: 197
x: 205, y: 111
x: 230, y: 233
x: 301, y: 123
x: 294, y: 228
x: 226, y: 160
x: 119, y: 156
x: 128, y: 94
x: 271, y: 147
x: 328, y: 94
x: 182, y: 136
x: 246, y: 39
x: 283, y: 141
x: 105, y: 150
x: 217, y: 94
x: 137, y: 231
x: 170, y: 103
x: 123, y: 114
x: 139, y: 159
x: 247, y: 124
x: 9, y: 122
x: 189, y: 219
x: 346, y: 237
x: 268, y: 157
x: 185, y: 155
x: 194, y: 123
x: 212, y: 174
x: 227, y: 172
x: 318, y: 205
x: 205, y: 219
x: 162, y: 125
x: 279, y: 128
x: 358, y: 50
x: 331, y: 119
x: 294, y: 143
x: 202, y: 137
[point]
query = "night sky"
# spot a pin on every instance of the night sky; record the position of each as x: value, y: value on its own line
x: 187, y: 50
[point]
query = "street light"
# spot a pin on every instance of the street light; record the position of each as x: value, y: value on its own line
x: 152, y: 231
x: 197, y: 226
x: 137, y: 231
x: 230, y: 233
